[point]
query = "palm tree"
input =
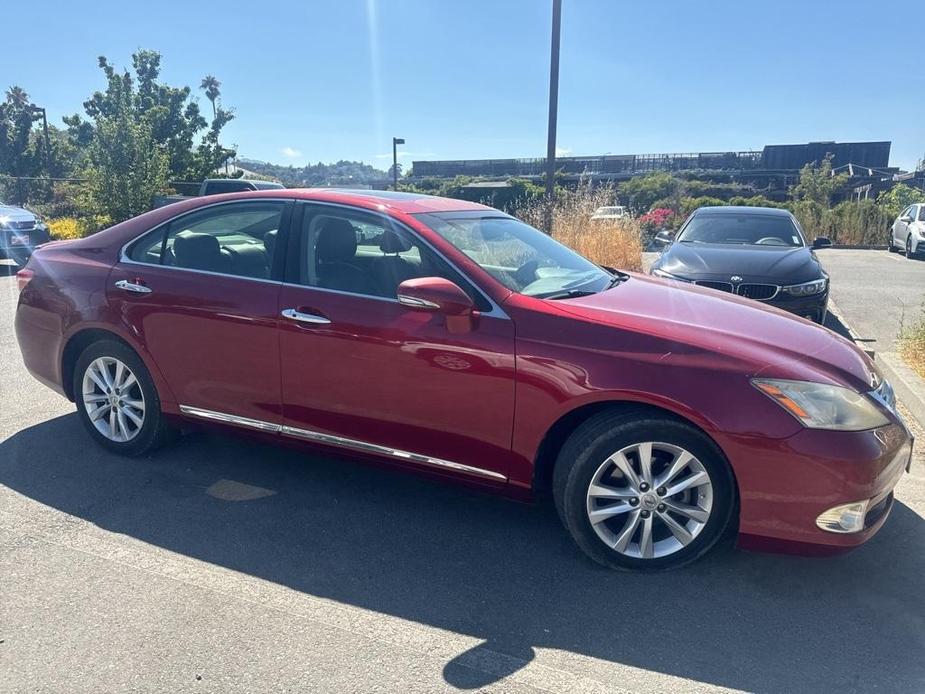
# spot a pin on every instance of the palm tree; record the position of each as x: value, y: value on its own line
x: 17, y: 95
x: 210, y: 85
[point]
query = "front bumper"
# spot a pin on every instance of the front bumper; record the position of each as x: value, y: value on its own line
x: 785, y: 488
x: 21, y: 242
x: 811, y: 307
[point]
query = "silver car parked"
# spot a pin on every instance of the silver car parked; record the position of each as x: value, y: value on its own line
x: 20, y: 232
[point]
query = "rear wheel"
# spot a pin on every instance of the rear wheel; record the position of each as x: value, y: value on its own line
x: 117, y: 401
x: 909, y: 252
x: 643, y: 492
x: 891, y: 247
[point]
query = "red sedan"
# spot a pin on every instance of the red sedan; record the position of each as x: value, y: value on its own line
x: 447, y: 337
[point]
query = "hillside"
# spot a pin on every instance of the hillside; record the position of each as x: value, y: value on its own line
x: 342, y: 173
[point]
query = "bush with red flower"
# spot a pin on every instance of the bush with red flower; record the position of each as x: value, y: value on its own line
x: 659, y: 218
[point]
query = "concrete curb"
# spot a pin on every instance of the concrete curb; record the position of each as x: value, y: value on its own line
x: 909, y: 386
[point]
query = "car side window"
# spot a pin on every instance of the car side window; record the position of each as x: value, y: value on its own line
x: 234, y: 239
x: 921, y: 213
x: 366, y: 254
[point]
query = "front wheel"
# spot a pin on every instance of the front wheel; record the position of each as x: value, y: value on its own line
x: 643, y: 492
x: 117, y: 401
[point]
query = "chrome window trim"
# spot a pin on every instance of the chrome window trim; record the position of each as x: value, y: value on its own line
x: 123, y: 252
x: 340, y: 441
x: 495, y: 312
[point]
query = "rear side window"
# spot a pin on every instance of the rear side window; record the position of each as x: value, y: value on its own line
x: 235, y: 239
x: 922, y: 213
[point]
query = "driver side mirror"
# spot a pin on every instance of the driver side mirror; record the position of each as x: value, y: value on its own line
x: 666, y: 237
x: 435, y: 294
x: 822, y: 242
x: 905, y: 219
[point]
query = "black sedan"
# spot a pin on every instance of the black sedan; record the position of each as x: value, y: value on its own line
x: 756, y: 252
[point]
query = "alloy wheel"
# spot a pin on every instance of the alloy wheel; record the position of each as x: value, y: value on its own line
x: 113, y: 399
x: 649, y: 500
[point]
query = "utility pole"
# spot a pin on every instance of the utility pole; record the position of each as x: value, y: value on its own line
x: 395, y: 142
x: 553, y: 112
x: 38, y: 109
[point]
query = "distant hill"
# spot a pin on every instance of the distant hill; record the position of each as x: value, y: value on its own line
x: 342, y: 173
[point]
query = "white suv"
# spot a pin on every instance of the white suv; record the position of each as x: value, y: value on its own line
x: 908, y: 231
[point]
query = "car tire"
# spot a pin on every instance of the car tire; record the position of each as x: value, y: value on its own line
x: 891, y: 247
x: 909, y: 253
x: 109, y: 374
x: 585, y: 469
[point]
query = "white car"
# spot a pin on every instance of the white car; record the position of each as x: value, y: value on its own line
x: 908, y: 231
x: 616, y: 212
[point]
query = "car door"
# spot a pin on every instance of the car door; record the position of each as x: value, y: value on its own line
x: 362, y: 371
x: 201, y: 292
x: 900, y: 228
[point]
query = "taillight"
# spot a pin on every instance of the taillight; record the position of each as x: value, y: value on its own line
x: 23, y: 277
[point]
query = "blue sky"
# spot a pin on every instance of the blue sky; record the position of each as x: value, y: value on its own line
x: 320, y: 81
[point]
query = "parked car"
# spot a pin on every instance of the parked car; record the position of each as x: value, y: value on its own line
x: 759, y: 253
x: 608, y: 213
x: 20, y: 232
x: 217, y: 186
x: 908, y: 231
x: 446, y: 337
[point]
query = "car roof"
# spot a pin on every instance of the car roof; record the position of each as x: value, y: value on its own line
x: 409, y: 203
x: 743, y: 209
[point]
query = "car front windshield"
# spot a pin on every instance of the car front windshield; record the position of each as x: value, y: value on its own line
x: 741, y: 229
x: 520, y: 257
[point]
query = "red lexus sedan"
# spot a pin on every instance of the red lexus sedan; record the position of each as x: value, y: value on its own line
x: 450, y: 338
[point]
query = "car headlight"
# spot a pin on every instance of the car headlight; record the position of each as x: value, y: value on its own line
x: 822, y: 406
x: 807, y: 288
x: 667, y: 275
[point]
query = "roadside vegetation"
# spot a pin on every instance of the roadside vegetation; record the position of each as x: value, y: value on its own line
x: 106, y: 163
x: 615, y: 243
x: 912, y: 345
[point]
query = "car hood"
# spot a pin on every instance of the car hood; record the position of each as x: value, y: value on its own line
x: 762, y: 340
x: 16, y: 214
x: 775, y: 264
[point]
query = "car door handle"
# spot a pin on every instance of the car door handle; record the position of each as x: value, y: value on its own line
x: 133, y: 287
x: 292, y: 314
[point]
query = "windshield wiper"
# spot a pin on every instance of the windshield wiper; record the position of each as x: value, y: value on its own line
x: 617, y: 278
x: 565, y: 294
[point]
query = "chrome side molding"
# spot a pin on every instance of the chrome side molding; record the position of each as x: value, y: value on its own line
x: 229, y: 418
x: 340, y: 441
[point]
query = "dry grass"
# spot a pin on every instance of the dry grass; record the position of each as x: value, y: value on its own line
x: 912, y: 346
x: 616, y: 243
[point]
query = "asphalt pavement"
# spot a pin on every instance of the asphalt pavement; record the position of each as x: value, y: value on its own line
x: 222, y: 564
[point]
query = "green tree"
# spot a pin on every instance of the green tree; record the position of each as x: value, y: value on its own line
x: 17, y: 158
x: 210, y: 85
x: 898, y: 198
x: 173, y: 117
x: 641, y: 192
x: 818, y: 183
x: 126, y: 166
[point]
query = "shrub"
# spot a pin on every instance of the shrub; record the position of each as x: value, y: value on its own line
x: 912, y: 345
x: 615, y: 243
x: 64, y: 228
x: 656, y: 219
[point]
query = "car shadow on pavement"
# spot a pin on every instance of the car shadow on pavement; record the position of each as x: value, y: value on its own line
x: 503, y: 572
